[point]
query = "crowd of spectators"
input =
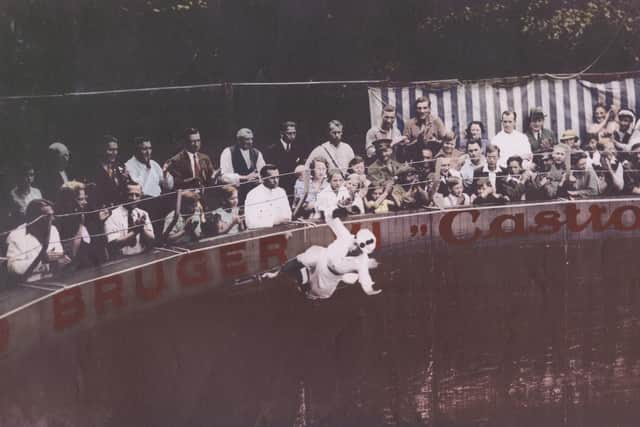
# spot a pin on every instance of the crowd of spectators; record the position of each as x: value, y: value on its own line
x: 66, y: 222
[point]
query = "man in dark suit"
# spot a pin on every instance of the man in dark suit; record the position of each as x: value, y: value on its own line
x: 286, y: 154
x: 541, y: 139
x: 190, y: 168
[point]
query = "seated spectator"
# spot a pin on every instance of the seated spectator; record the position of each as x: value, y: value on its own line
x: 227, y: 218
x: 71, y: 205
x: 472, y: 161
x: 110, y: 176
x: 490, y: 170
x: 386, y: 130
x: 583, y: 181
x: 556, y: 181
x: 485, y: 194
x: 622, y: 135
x: 610, y: 171
x: 146, y: 171
x: 443, y: 166
x: 420, y: 130
x: 474, y: 132
x: 286, y: 154
x: 306, y: 196
x: 242, y: 162
x: 190, y: 168
x: 408, y: 193
x: 534, y: 185
x: 267, y: 204
x: 23, y: 193
x: 632, y: 172
x: 513, y: 186
x: 456, y: 196
x: 571, y: 139
x: 187, y: 226
x: 449, y: 150
x: 426, y: 164
x: 333, y: 196
x: 358, y: 167
x: 34, y: 251
x: 511, y: 142
x: 591, y: 149
x: 540, y: 139
x: 378, y: 199
x: 55, y: 172
x: 129, y: 230
x: 335, y: 152
x: 384, y: 169
x: 356, y: 185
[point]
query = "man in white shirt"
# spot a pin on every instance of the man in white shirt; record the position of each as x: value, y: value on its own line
x: 241, y: 163
x: 511, y: 142
x: 129, y: 230
x: 386, y: 130
x: 147, y: 172
x: 474, y: 160
x: 34, y: 248
x: 337, y: 153
x: 267, y: 204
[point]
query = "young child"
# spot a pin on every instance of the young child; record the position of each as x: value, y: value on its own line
x: 377, y: 199
x: 188, y: 224
x: 356, y: 186
x: 226, y: 219
x: 456, y: 197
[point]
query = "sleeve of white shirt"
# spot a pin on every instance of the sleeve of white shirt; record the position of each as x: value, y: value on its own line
x: 225, y: 161
x: 166, y: 180
x: 284, y: 209
x: 133, y: 171
x: 368, y: 142
x: 54, y: 240
x: 148, y: 227
x: 112, y: 228
x: 19, y: 256
x: 252, y: 210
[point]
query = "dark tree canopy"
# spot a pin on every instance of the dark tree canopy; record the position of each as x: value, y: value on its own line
x: 49, y: 46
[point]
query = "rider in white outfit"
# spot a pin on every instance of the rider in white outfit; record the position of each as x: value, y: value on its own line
x: 319, y: 270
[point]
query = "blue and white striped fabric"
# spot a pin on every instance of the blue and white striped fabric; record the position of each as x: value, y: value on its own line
x: 568, y: 104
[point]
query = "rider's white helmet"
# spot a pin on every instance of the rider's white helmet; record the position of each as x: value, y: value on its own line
x: 366, y: 240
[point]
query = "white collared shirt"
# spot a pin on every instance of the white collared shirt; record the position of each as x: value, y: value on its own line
x: 265, y: 207
x: 117, y: 227
x: 24, y: 248
x: 226, y: 164
x: 512, y: 144
x: 152, y: 179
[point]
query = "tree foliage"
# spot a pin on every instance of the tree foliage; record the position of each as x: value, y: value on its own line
x: 91, y: 44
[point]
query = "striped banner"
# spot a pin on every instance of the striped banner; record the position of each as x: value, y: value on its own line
x: 567, y: 103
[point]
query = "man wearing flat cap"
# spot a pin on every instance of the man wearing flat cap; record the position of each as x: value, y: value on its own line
x: 541, y: 139
x: 384, y: 169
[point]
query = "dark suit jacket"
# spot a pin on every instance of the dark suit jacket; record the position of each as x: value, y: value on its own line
x: 535, y: 144
x: 285, y: 161
x: 49, y: 182
x: 480, y: 173
x: 180, y: 168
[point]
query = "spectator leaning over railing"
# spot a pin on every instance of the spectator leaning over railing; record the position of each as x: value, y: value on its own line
x: 76, y: 240
x: 513, y: 186
x: 129, y: 230
x: 226, y: 218
x: 610, y: 171
x: 457, y: 197
x: 305, y: 196
x: 185, y: 226
x: 583, y: 180
x: 267, y: 204
x: 408, y: 192
x: 34, y: 250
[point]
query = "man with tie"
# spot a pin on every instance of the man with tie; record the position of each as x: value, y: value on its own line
x: 541, y: 139
x: 286, y: 154
x: 241, y: 162
x: 190, y: 168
